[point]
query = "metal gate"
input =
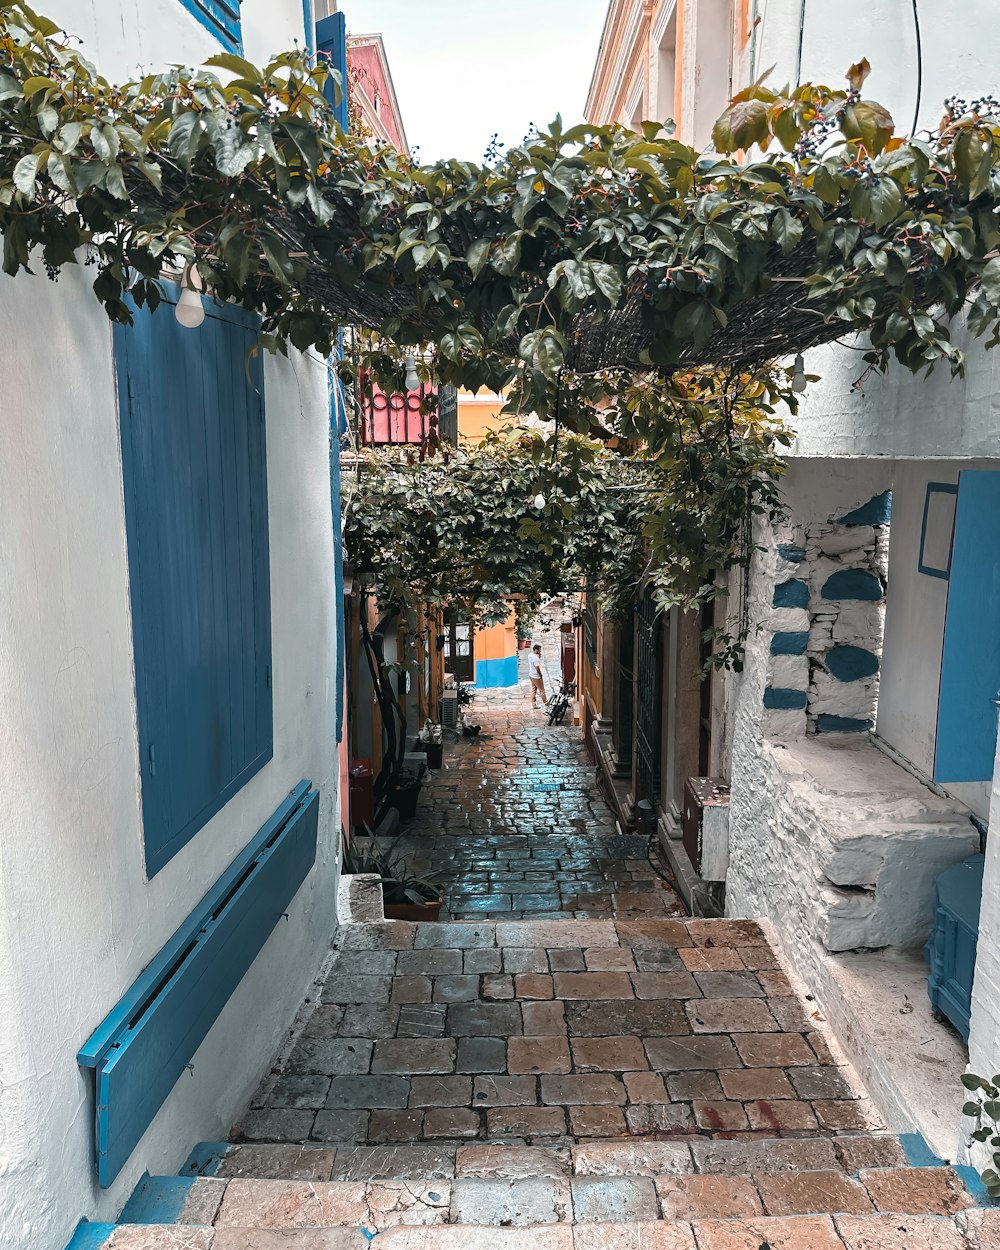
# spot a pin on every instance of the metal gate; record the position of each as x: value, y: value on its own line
x: 648, y: 698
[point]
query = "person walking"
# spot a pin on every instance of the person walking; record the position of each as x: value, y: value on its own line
x: 535, y: 675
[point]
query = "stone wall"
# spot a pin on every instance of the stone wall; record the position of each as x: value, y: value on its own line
x: 829, y: 838
x: 826, y: 618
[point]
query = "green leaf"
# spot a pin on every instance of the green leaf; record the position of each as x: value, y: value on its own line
x: 235, y: 64
x: 185, y: 136
x: 32, y: 86
x: 787, y: 230
x: 741, y: 126
x: 878, y: 202
x: 971, y: 1109
x: 25, y: 172
x: 990, y: 280
x: 868, y: 122
x: 477, y: 255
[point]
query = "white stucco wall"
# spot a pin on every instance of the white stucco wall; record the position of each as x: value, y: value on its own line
x: 914, y: 627
x: 899, y: 414
x: 984, y: 1037
x: 78, y: 918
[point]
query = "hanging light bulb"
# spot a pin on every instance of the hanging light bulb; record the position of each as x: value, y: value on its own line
x: 412, y: 379
x: 190, y: 310
x: 539, y: 501
x: 799, y: 374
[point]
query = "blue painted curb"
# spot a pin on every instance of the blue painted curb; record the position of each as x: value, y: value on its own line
x: 205, y: 1159
x: 973, y: 1182
x: 157, y: 1200
x: 90, y: 1236
x: 918, y: 1153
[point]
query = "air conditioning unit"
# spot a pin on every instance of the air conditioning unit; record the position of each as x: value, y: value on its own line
x: 449, y: 708
x: 705, y: 829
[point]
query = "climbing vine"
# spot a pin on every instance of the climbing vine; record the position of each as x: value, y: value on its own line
x: 522, y: 517
x: 641, y: 288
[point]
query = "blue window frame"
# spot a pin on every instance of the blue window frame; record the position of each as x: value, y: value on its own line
x: 222, y: 17
x: 194, y: 472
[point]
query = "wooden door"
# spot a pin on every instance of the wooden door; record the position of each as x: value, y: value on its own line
x: 458, y: 654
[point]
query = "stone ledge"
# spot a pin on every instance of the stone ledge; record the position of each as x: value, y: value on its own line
x: 359, y: 899
x: 876, y: 840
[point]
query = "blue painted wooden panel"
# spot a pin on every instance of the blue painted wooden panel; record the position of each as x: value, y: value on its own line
x: 951, y: 951
x: 331, y: 43
x: 222, y: 18
x: 194, y: 470
x: 970, y: 660
x: 145, y: 1044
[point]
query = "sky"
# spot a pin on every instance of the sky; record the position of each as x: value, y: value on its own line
x: 464, y: 69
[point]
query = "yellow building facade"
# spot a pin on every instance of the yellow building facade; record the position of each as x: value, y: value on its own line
x: 494, y: 648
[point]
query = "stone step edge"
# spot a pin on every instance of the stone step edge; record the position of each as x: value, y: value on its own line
x: 225, y: 1202
x: 207, y: 1158
x: 960, y: 1232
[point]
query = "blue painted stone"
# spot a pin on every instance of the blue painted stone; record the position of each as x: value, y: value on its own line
x: 205, y: 1159
x: 90, y: 1236
x: 877, y: 511
x: 827, y: 724
x: 791, y: 552
x: 791, y: 594
x: 851, y: 663
x: 780, y: 698
x: 787, y: 642
x: 853, y: 584
x: 918, y: 1153
x: 157, y: 1200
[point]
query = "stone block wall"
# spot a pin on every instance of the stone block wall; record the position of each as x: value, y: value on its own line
x: 826, y: 622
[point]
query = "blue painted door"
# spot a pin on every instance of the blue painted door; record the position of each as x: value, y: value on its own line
x: 970, y: 660
x: 193, y: 463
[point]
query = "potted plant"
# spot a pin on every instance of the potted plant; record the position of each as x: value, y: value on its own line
x: 406, y: 895
x: 406, y: 791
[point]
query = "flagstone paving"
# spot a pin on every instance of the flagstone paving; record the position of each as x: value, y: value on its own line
x: 515, y: 825
x: 557, y: 1031
x: 599, y: 1073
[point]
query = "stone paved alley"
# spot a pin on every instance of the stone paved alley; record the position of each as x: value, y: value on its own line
x: 515, y: 824
x: 569, y: 1063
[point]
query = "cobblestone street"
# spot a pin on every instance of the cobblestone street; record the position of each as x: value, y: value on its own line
x: 515, y: 824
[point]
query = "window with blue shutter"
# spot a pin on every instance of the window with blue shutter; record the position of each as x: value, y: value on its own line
x: 222, y: 17
x: 194, y: 471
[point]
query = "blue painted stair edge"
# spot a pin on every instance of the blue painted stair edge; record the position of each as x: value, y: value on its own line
x: 205, y: 1159
x: 157, y: 1200
x: 90, y: 1236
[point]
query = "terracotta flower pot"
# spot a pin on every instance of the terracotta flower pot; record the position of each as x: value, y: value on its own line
x: 412, y: 911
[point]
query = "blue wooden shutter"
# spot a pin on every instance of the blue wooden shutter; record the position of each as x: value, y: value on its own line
x: 331, y: 43
x: 970, y: 660
x: 222, y: 18
x: 194, y: 470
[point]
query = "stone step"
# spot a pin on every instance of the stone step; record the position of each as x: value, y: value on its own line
x: 516, y: 1200
x: 973, y: 1230
x: 636, y: 1157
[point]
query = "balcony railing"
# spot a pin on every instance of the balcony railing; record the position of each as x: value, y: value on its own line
x: 399, y: 420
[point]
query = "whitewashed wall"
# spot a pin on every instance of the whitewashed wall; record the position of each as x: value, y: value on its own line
x: 78, y: 919
x: 984, y: 1038
x: 914, y: 627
